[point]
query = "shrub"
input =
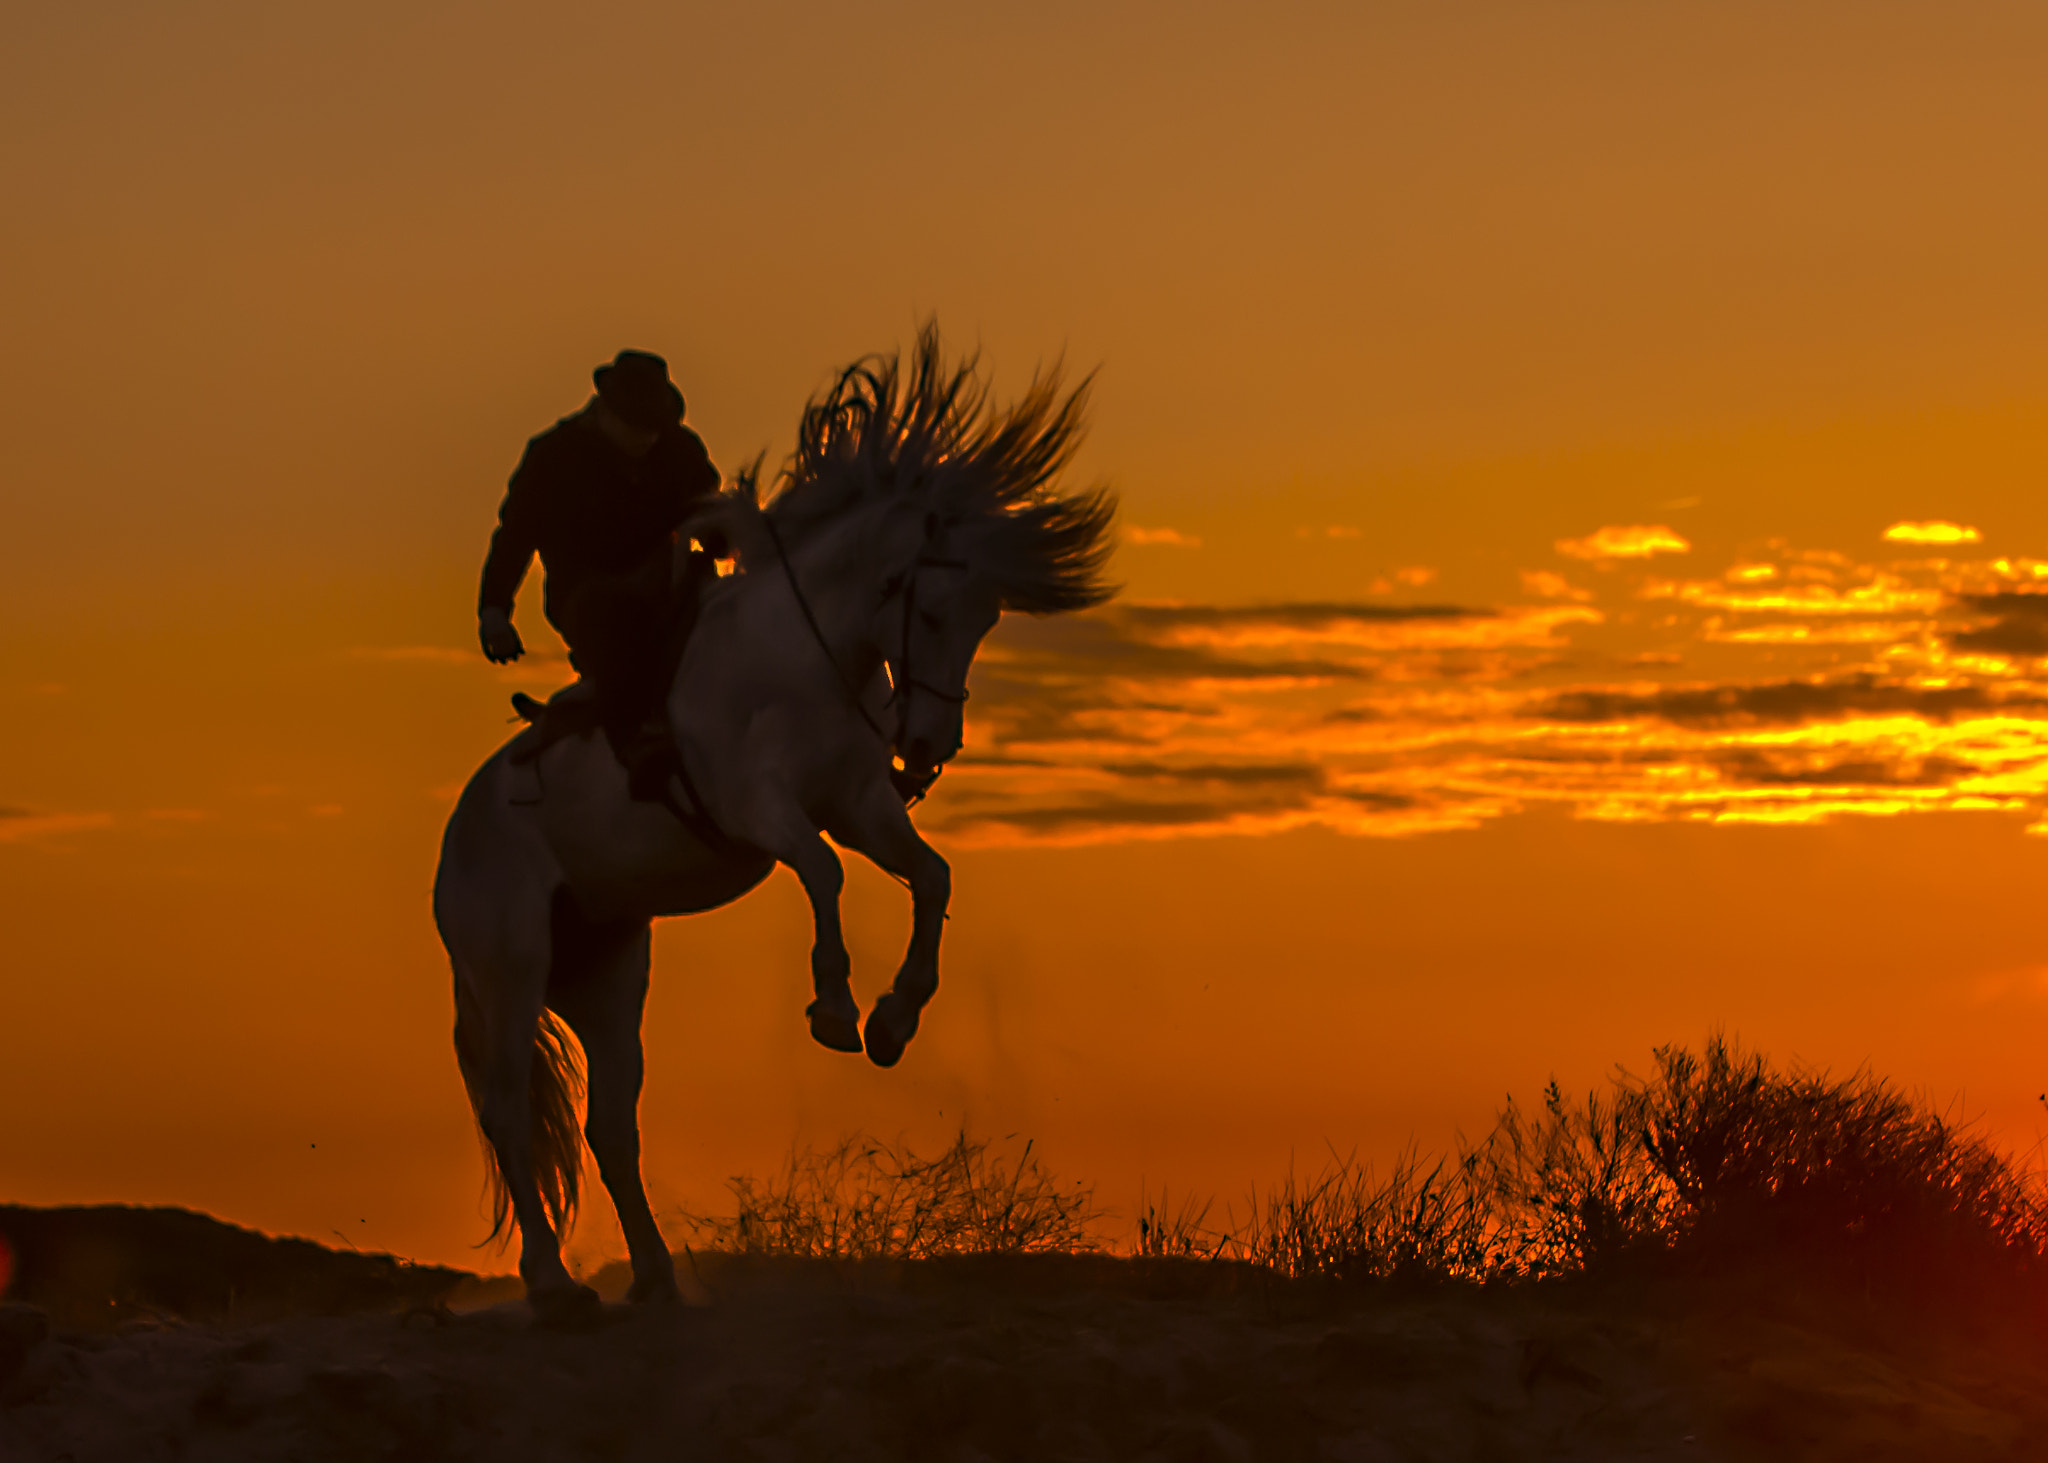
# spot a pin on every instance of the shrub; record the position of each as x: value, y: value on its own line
x: 1845, y: 1174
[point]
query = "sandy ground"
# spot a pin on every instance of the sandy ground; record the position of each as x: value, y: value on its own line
x: 1053, y: 1359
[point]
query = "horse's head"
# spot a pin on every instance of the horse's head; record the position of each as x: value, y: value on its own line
x: 958, y: 510
x: 935, y: 612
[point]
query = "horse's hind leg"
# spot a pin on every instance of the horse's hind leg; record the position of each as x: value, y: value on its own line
x: 519, y: 1083
x: 505, y: 1088
x: 599, y: 986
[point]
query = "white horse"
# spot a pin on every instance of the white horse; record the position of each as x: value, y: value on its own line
x: 909, y: 518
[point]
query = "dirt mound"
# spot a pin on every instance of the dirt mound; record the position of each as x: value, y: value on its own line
x: 1029, y: 1358
x: 99, y: 1267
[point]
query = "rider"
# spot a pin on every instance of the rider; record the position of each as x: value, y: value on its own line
x: 600, y: 496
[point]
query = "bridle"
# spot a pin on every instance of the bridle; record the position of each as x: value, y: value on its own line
x: 903, y: 680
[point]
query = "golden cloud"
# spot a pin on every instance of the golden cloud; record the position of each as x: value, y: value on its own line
x: 1171, y: 538
x: 1636, y: 541
x: 1551, y: 586
x: 1934, y: 531
x: 1837, y: 689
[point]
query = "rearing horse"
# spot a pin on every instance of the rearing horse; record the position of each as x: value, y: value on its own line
x: 911, y: 515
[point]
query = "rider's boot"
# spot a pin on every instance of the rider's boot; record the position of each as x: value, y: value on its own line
x: 651, y: 765
x: 648, y: 754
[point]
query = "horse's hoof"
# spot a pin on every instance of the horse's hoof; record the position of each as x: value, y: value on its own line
x: 885, y: 1043
x: 837, y: 1029
x: 656, y: 1292
x: 574, y: 1308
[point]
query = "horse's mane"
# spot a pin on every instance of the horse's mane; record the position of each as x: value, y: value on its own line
x: 924, y: 439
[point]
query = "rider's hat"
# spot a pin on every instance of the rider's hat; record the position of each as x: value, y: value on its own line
x: 636, y: 386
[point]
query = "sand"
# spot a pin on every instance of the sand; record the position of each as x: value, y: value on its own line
x: 1060, y: 1358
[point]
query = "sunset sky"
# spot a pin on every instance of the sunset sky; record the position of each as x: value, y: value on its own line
x: 1584, y: 546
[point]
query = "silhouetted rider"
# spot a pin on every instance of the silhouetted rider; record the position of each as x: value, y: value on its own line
x: 599, y: 497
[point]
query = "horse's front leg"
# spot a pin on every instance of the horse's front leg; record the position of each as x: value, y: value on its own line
x: 882, y: 830
x: 833, y: 1012
x: 780, y: 828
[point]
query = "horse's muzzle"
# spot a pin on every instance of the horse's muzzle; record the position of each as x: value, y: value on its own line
x: 920, y: 757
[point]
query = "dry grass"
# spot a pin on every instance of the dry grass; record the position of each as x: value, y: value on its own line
x: 1422, y: 1223
x: 865, y: 1200
x: 1715, y: 1165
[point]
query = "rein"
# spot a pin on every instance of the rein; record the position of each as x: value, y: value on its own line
x: 910, y: 680
x: 913, y: 787
x: 852, y: 691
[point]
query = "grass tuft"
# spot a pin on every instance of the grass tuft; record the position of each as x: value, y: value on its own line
x: 865, y: 1200
x: 1422, y: 1223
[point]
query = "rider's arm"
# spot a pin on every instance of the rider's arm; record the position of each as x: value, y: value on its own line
x: 517, y: 537
x: 505, y: 568
x: 513, y: 544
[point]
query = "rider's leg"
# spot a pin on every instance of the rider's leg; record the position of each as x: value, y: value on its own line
x: 617, y: 627
x: 599, y: 986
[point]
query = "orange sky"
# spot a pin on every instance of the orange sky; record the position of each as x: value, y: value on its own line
x: 1396, y: 306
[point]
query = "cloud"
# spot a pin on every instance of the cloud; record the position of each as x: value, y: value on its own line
x: 430, y: 654
x: 1281, y: 774
x: 1765, y: 767
x: 1934, y: 531
x: 1102, y: 646
x: 1122, y: 817
x: 1297, y: 616
x: 1778, y: 703
x: 1546, y: 585
x: 1855, y: 632
x: 21, y: 825
x: 470, y: 658
x: 1635, y: 541
x: 1171, y: 538
x: 1790, y: 686
x: 1876, y: 594
x: 2021, y: 626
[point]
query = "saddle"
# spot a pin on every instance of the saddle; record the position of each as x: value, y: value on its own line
x: 573, y: 711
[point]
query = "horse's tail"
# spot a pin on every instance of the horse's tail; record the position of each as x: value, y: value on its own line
x: 555, y: 1138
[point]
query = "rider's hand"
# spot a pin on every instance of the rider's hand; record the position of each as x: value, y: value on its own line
x: 501, y: 641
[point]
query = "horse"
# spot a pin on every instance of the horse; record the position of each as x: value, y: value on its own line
x: 822, y: 679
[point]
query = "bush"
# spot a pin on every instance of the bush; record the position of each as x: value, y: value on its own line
x: 1847, y: 1175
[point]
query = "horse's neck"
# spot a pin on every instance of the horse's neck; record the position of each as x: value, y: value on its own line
x: 833, y: 571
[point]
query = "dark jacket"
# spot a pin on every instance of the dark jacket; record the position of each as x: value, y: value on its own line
x: 589, y: 510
